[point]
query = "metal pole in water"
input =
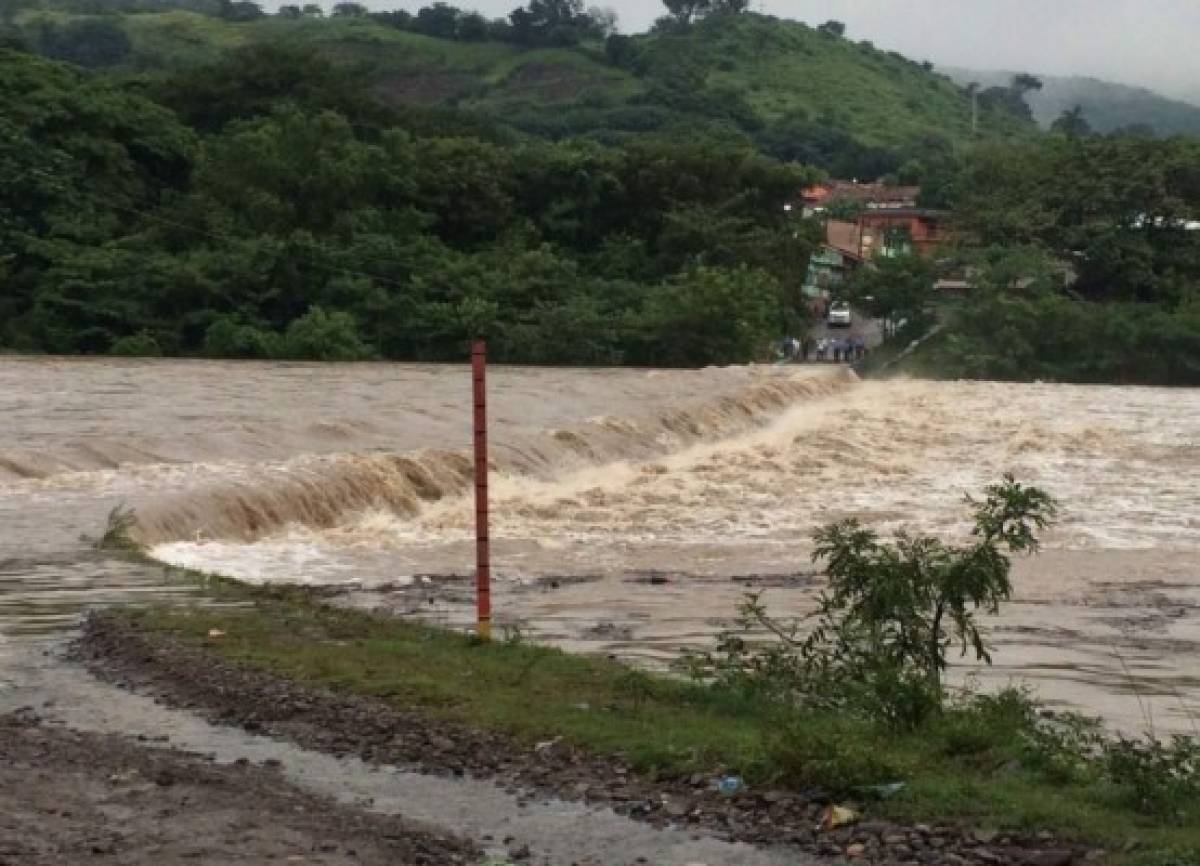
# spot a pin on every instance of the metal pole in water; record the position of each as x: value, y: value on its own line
x: 483, y: 565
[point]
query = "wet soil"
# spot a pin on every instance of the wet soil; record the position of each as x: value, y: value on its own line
x: 190, y: 677
x: 70, y: 797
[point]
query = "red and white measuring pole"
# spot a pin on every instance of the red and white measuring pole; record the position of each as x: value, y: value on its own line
x: 483, y: 555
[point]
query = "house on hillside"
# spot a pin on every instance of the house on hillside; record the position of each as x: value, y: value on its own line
x: 819, y: 199
x: 886, y: 219
x: 828, y: 268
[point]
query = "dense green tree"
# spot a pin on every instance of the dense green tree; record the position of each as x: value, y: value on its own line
x: 1072, y: 123
x: 439, y: 20
x: 254, y: 80
x: 89, y: 42
x: 895, y: 289
x: 322, y: 336
x: 686, y: 11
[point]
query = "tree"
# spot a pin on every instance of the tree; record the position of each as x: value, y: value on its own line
x: 604, y: 20
x: 686, y: 11
x: 439, y: 20
x: 91, y: 42
x: 895, y: 289
x: 832, y: 28
x: 730, y: 7
x: 312, y: 10
x: 290, y: 11
x: 322, y: 336
x: 473, y: 27
x: 1024, y: 83
x: 1072, y: 123
x: 349, y: 10
x: 241, y: 10
x: 711, y: 316
x: 893, y: 611
x: 552, y: 22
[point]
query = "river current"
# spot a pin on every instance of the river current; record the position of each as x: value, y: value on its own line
x: 632, y: 509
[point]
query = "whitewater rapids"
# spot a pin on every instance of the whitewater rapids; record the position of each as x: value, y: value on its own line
x: 711, y: 480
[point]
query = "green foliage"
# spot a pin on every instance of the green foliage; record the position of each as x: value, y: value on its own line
x: 894, y: 288
x: 1072, y: 123
x: 1050, y: 337
x: 139, y: 345
x: 1161, y: 778
x: 322, y: 336
x: 838, y: 757
x: 118, y: 530
x: 228, y: 337
x: 1117, y: 208
x: 89, y: 42
x: 711, y: 316
x: 889, y: 618
x: 297, y: 230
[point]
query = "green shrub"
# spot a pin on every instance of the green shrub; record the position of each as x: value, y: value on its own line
x: 838, y: 756
x: 321, y: 336
x: 139, y: 345
x: 1062, y: 747
x: 1161, y: 777
x: 889, y: 617
x: 227, y: 337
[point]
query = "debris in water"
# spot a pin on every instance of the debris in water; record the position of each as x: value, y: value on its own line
x: 838, y: 816
x: 886, y: 791
x: 731, y: 785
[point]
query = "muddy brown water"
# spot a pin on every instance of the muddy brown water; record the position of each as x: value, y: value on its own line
x: 357, y: 475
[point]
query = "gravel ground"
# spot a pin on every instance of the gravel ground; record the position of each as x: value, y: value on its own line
x: 68, y: 797
x: 189, y: 677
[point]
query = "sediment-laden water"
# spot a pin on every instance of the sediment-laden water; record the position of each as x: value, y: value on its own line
x: 711, y: 481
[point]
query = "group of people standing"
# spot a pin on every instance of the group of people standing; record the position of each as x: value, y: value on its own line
x: 834, y: 350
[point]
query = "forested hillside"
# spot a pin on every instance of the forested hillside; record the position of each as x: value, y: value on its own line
x: 795, y: 91
x: 267, y: 207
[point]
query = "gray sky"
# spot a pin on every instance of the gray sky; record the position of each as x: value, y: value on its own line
x: 1148, y: 42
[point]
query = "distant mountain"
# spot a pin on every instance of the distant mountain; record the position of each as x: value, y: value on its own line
x: 1106, y: 105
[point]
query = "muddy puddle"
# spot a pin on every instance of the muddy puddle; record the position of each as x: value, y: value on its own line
x: 712, y: 481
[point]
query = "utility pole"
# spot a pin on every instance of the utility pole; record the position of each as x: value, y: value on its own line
x: 483, y: 560
x: 973, y: 89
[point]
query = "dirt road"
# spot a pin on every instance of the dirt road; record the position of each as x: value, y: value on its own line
x: 68, y: 797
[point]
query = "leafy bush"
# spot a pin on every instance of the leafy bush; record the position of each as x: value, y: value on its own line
x: 833, y: 757
x: 139, y: 345
x: 1062, y: 747
x: 227, y: 337
x: 890, y: 616
x: 322, y: 336
x: 1162, y: 777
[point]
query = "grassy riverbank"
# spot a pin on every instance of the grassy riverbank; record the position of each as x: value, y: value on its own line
x: 983, y: 765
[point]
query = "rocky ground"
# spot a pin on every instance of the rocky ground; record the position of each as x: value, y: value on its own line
x: 190, y: 677
x: 68, y: 797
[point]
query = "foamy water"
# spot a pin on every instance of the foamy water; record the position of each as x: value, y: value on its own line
x: 328, y: 474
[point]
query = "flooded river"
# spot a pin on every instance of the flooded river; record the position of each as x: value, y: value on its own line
x: 631, y: 508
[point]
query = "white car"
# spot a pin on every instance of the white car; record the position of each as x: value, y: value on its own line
x: 839, y: 315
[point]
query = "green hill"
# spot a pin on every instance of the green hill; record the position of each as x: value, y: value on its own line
x: 1106, y: 106
x: 798, y: 93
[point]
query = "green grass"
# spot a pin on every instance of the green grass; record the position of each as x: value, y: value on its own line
x: 967, y: 766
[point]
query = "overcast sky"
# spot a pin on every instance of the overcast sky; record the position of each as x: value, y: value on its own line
x: 1148, y: 42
